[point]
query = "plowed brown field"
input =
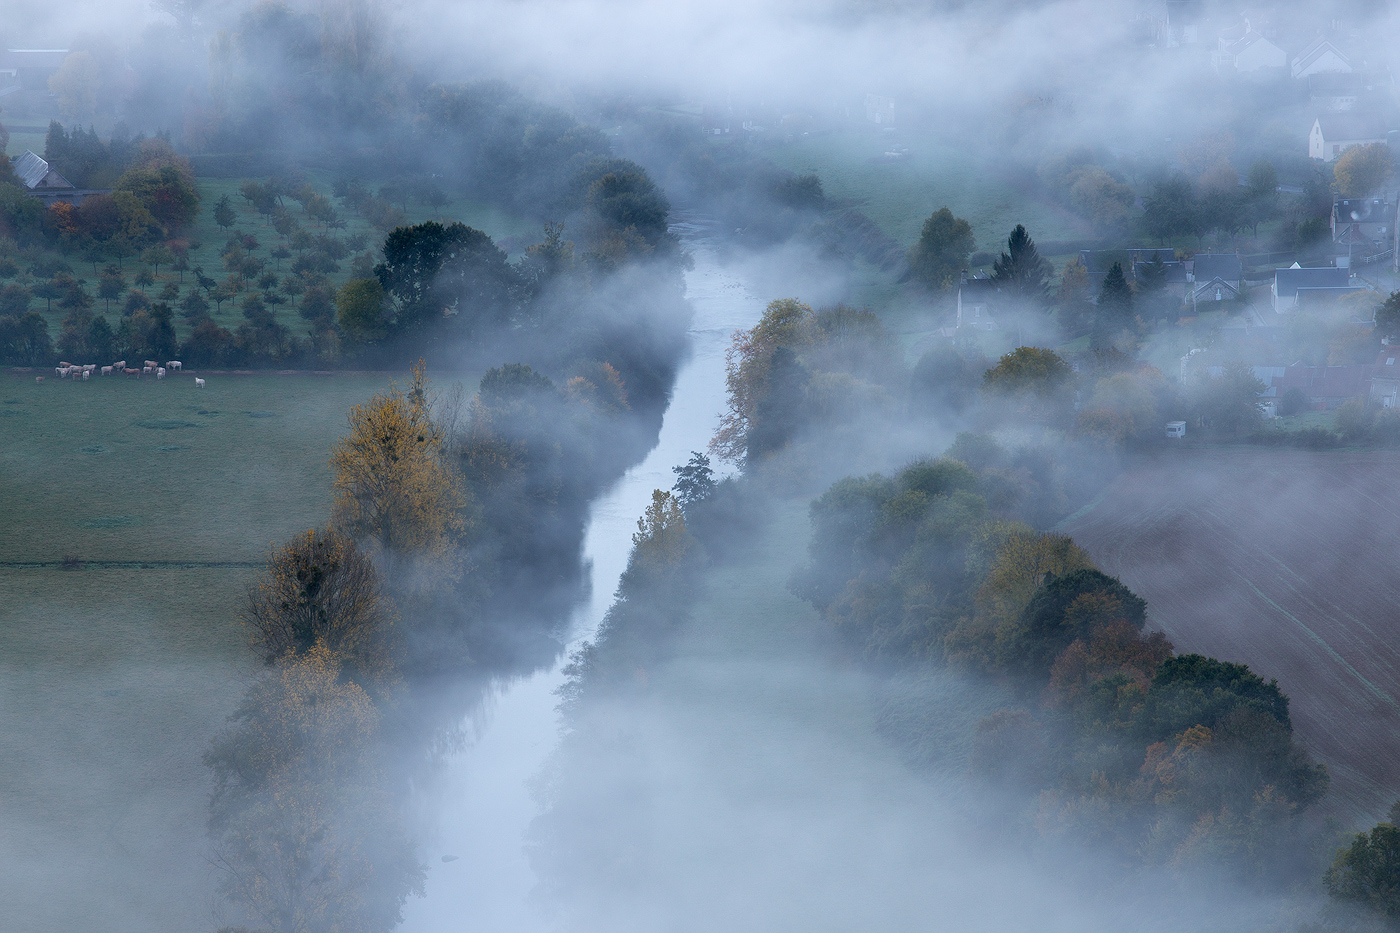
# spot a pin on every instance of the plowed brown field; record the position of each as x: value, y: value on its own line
x: 1288, y: 561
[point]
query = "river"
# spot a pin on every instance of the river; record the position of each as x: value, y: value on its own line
x: 484, y: 808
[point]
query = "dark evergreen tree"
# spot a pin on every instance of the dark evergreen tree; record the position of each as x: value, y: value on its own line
x: 1115, y: 307
x: 1022, y: 271
x: 695, y: 481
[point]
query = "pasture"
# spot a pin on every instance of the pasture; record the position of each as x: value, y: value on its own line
x: 900, y: 194
x: 1284, y: 560
x: 116, y: 669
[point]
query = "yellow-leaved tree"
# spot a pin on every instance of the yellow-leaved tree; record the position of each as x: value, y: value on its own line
x: 786, y: 323
x: 661, y: 539
x: 395, y: 492
x: 1023, y: 558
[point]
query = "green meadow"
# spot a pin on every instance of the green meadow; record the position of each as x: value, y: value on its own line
x: 117, y: 666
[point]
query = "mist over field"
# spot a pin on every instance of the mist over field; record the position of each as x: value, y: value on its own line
x: 601, y: 465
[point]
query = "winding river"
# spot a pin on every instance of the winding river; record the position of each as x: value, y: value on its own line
x: 485, y: 806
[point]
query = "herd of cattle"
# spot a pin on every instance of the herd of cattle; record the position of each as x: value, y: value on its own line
x: 148, y: 367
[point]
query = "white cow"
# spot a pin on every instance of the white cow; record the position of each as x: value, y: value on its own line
x: 106, y: 370
x: 146, y: 370
x: 86, y: 374
x: 175, y: 364
x: 160, y: 373
x: 60, y: 372
x: 119, y: 364
x: 198, y: 382
x: 89, y: 367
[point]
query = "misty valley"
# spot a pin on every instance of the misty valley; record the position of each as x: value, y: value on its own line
x: 555, y: 465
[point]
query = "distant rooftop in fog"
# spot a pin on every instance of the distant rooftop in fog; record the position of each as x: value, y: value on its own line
x: 11, y: 60
x: 36, y: 174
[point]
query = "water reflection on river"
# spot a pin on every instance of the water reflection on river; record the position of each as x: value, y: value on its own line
x: 482, y: 807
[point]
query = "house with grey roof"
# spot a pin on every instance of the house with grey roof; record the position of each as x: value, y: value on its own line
x: 1215, y: 277
x: 30, y: 68
x: 1295, y: 287
x: 34, y: 173
x: 47, y: 184
x: 1363, y: 230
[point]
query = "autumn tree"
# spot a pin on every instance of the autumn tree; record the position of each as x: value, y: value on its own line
x: 306, y: 833
x: 1033, y: 370
x: 1101, y: 197
x: 1362, y: 170
x: 320, y: 589
x: 1023, y: 560
x: 786, y: 323
x: 392, y: 488
x: 942, y: 251
x: 75, y: 83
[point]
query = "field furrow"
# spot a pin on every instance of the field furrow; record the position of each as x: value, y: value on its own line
x: 1285, y: 561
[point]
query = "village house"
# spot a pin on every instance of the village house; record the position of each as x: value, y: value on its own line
x: 30, y: 69
x: 1320, y: 57
x: 1175, y: 22
x: 1385, y: 379
x: 1335, y: 133
x: 46, y: 184
x: 1324, y: 387
x: 1336, y: 91
x: 1363, y: 230
x: 1215, y: 277
x: 879, y: 109
x: 1246, y: 51
x: 1097, y: 262
x: 975, y: 295
x: 1295, y: 287
x: 1175, y: 273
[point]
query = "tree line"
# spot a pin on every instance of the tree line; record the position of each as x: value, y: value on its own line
x: 445, y: 511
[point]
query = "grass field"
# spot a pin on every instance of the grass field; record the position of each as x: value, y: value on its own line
x: 899, y: 195
x: 140, y: 470
x: 114, y: 676
x: 1284, y: 560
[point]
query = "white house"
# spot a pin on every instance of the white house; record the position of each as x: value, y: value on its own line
x: 1250, y: 52
x: 1335, y: 133
x: 1320, y: 57
x: 879, y: 109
